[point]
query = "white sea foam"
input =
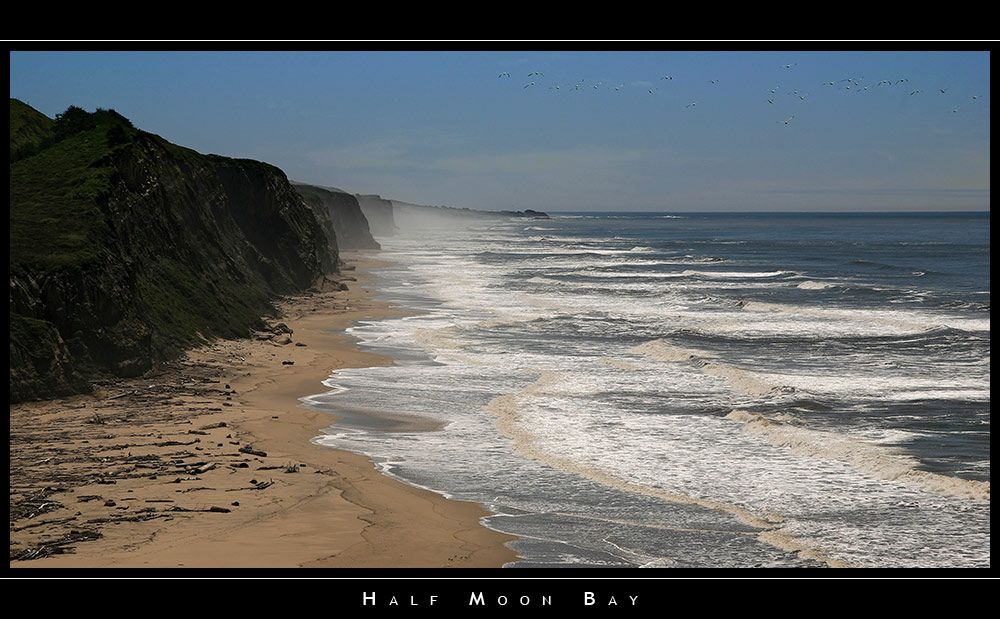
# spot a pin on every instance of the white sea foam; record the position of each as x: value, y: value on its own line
x: 746, y: 381
x: 741, y: 380
x: 620, y: 275
x: 811, y: 285
x: 440, y: 337
x: 511, y: 421
x: 850, y: 385
x: 899, y: 320
x: 664, y: 351
x: 734, y: 274
x: 878, y: 460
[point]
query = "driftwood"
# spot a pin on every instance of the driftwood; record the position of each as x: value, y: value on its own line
x: 80, y: 453
x: 122, y: 395
x: 55, y: 547
x: 256, y: 486
x: 247, y: 449
x: 205, y: 467
x: 222, y: 510
x: 172, y: 443
x: 136, y: 518
x: 43, y: 523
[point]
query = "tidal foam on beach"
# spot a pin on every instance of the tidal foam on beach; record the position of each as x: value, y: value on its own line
x: 698, y: 390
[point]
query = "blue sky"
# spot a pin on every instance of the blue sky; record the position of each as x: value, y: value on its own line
x: 592, y: 130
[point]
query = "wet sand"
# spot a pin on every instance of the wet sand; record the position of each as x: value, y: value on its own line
x: 209, y: 464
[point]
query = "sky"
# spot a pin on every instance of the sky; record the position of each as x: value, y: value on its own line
x: 652, y: 127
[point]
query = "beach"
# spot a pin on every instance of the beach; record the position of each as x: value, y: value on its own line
x: 210, y: 464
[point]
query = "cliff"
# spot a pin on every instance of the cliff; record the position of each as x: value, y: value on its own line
x: 341, y: 215
x: 125, y: 249
x: 378, y: 212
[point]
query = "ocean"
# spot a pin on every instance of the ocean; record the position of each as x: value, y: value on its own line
x: 690, y: 390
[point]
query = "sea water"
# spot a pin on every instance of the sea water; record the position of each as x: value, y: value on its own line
x: 691, y: 390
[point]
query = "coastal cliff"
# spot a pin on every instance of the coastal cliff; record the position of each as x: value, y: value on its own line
x: 379, y: 213
x: 341, y: 215
x: 125, y: 249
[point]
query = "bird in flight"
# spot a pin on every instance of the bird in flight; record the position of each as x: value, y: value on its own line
x: 785, y: 122
x: 504, y: 74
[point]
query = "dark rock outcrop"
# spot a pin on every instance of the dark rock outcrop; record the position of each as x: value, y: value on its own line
x: 126, y: 249
x: 341, y: 214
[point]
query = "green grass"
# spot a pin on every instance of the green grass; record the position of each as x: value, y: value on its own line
x: 55, y: 220
x: 30, y: 130
x: 180, y: 304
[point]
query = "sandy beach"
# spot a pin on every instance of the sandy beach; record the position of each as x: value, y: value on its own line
x: 209, y: 464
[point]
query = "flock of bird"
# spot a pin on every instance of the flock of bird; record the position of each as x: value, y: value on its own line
x: 849, y: 85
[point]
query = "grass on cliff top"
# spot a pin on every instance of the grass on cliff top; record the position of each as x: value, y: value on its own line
x: 29, y: 129
x: 55, y: 218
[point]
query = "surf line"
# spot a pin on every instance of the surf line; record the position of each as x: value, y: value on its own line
x: 507, y: 416
x: 869, y: 459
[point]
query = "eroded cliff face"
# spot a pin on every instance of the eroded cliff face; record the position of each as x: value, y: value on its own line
x: 342, y: 213
x: 378, y: 212
x: 181, y: 247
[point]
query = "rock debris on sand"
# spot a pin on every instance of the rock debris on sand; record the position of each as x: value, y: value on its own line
x: 194, y: 466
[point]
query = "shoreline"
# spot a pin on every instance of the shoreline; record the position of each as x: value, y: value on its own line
x: 169, y: 470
